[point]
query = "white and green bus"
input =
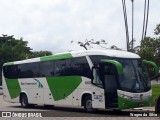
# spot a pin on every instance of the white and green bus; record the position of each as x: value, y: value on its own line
x: 95, y: 79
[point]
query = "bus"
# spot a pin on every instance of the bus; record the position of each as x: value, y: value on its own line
x: 93, y: 79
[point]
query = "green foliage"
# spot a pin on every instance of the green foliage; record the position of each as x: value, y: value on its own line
x: 157, y: 30
x: 35, y: 54
x: 150, y: 49
x: 12, y: 49
x: 155, y: 93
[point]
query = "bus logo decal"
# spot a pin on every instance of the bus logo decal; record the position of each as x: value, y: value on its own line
x: 39, y: 83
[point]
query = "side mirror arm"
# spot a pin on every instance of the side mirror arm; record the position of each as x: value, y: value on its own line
x: 154, y: 66
x: 117, y: 64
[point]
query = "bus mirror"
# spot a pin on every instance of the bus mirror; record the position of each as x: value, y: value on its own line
x: 152, y: 69
x: 117, y: 64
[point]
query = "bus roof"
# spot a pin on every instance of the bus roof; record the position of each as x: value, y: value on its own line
x: 65, y: 55
x: 111, y: 53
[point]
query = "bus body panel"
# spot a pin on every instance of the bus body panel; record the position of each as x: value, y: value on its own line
x: 41, y: 91
x: 132, y: 100
x: 30, y: 86
x: 98, y: 97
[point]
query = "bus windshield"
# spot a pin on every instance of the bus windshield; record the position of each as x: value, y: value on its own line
x: 134, y: 78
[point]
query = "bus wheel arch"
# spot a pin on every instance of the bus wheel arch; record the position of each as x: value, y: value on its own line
x: 23, y: 100
x: 86, y: 101
x: 157, y: 106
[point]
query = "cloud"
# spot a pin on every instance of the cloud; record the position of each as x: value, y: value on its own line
x: 52, y: 24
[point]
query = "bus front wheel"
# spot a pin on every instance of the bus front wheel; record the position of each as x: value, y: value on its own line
x: 157, y: 107
x: 24, y: 101
x: 88, y: 104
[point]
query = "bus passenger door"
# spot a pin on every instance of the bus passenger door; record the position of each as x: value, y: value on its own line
x: 109, y: 71
x: 110, y: 86
x: 98, y: 98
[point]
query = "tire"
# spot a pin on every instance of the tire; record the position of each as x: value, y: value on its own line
x: 157, y: 107
x: 88, y: 104
x: 24, y: 101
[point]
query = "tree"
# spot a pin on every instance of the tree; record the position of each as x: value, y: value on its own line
x: 88, y: 43
x: 150, y: 49
x: 12, y: 49
x: 114, y: 47
x: 157, y: 30
x: 39, y: 54
x: 131, y: 46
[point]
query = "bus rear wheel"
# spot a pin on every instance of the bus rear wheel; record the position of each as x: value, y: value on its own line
x: 88, y: 104
x: 24, y: 101
x: 157, y: 107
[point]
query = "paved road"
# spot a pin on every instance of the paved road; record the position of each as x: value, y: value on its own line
x: 70, y: 113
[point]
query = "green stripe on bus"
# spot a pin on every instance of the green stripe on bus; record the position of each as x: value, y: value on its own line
x: 124, y: 103
x: 56, y: 57
x: 13, y: 87
x: 8, y: 63
x: 61, y: 87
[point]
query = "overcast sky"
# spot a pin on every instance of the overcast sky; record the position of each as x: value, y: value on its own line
x: 52, y: 24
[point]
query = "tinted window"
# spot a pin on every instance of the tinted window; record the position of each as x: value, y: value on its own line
x: 59, y: 68
x: 46, y: 69
x: 97, y: 58
x: 10, y: 71
x: 68, y: 70
x: 69, y: 67
x: 80, y: 67
x: 28, y: 70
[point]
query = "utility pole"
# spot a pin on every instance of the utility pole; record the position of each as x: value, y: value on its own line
x: 132, y: 21
x: 126, y: 23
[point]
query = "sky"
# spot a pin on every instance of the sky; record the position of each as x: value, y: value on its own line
x: 52, y: 24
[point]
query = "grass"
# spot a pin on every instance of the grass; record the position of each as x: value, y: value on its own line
x: 155, y: 93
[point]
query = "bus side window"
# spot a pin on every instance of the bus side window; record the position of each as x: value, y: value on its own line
x: 68, y: 68
x: 81, y: 67
x: 59, y: 68
x: 46, y: 69
x: 28, y: 70
x: 10, y: 71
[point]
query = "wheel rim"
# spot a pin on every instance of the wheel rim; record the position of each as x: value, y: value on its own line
x: 89, y: 105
